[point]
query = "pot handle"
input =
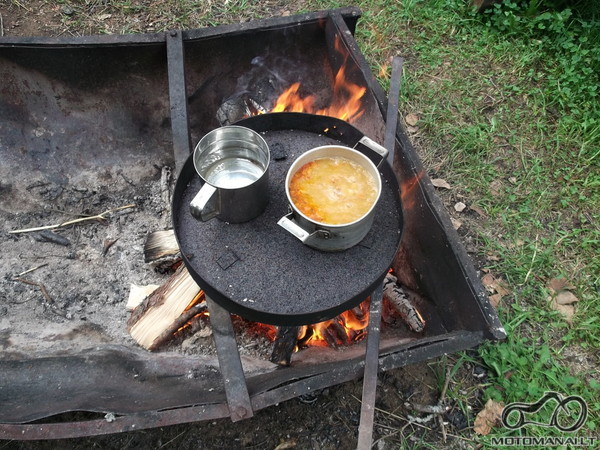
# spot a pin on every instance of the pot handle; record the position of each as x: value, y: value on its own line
x: 203, y: 206
x: 379, y: 149
x: 292, y: 227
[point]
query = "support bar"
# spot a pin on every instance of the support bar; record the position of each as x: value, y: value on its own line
x: 236, y: 389
x: 367, y: 410
x: 178, y: 99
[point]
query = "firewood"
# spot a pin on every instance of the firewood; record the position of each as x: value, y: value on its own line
x: 400, y: 299
x: 284, y: 345
x: 137, y: 294
x: 338, y: 330
x: 161, y: 248
x: 161, y: 313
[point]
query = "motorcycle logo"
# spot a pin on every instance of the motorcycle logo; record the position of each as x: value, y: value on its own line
x: 562, y: 417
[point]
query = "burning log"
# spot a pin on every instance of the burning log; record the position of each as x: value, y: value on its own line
x: 399, y: 298
x: 166, y: 310
x: 284, y: 346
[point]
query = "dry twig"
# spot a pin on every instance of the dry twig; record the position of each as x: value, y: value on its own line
x: 74, y: 221
x: 39, y: 285
x: 31, y: 270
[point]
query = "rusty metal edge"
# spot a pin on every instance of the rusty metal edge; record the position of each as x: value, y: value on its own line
x: 234, y: 380
x: 350, y: 14
x: 409, y: 354
x: 494, y: 330
x: 178, y: 99
x: 369, y: 391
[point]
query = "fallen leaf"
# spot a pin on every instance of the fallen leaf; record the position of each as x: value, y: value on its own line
x: 479, y: 211
x: 286, y: 445
x: 459, y: 207
x: 566, y: 298
x: 496, y: 187
x: 494, y: 285
x: 495, y: 300
x: 559, y: 284
x: 456, y: 223
x: 489, y: 417
x: 567, y: 311
x: 412, y: 130
x: 441, y: 183
x: 492, y: 257
x: 411, y: 119
x: 104, y: 16
x: 562, y: 299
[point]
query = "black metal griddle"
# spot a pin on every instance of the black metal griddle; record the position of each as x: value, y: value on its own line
x: 259, y: 271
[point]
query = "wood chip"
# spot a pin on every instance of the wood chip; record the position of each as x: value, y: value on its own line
x: 459, y: 207
x: 137, y: 294
x: 455, y: 223
x: 441, y: 183
x: 411, y: 119
x: 479, y: 211
x: 154, y: 321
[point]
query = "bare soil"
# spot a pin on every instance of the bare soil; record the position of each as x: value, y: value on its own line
x: 327, y: 420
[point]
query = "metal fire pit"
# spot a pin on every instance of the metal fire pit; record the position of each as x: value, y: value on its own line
x: 145, y: 98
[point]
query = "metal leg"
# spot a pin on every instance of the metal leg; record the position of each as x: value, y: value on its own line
x: 236, y: 390
x: 367, y: 410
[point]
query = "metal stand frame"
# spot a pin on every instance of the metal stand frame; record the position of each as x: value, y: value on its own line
x: 236, y: 389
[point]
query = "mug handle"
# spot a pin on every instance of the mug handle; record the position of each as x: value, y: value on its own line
x: 201, y: 207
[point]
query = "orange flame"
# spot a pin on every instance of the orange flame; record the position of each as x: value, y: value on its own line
x: 347, y: 328
x: 346, y: 97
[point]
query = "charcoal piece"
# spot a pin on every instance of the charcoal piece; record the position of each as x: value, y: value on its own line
x: 51, y: 236
x: 285, y: 342
x: 232, y: 110
x: 278, y: 151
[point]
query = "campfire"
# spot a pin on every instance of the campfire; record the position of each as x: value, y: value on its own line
x: 178, y: 308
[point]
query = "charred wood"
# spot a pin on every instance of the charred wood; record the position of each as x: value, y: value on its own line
x: 161, y: 249
x: 399, y: 298
x: 284, y: 345
x: 51, y: 236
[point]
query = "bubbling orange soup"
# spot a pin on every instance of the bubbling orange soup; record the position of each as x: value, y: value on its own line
x: 333, y: 190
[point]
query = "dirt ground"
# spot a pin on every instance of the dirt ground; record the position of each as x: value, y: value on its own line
x: 327, y: 420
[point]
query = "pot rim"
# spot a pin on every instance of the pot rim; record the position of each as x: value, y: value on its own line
x: 360, y: 155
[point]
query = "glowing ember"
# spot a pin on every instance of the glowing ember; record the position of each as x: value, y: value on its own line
x: 345, y: 329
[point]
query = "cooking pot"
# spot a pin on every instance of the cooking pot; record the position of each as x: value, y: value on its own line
x: 326, y: 236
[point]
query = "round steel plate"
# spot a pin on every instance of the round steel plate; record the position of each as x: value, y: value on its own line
x: 259, y: 271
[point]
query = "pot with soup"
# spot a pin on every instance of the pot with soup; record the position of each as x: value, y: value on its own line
x: 333, y: 191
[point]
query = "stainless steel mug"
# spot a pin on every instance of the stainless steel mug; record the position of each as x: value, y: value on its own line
x: 233, y: 162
